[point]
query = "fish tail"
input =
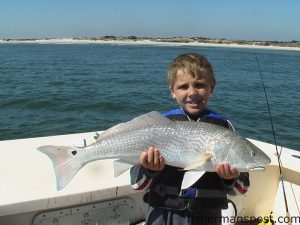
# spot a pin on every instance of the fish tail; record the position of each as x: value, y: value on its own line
x: 64, y: 162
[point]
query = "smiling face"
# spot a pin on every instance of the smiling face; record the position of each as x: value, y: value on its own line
x: 192, y: 92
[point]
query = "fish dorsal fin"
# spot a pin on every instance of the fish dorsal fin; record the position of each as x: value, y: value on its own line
x: 109, y: 132
x: 153, y: 117
x: 150, y: 118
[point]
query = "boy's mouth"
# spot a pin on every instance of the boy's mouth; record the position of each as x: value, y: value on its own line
x: 195, y: 103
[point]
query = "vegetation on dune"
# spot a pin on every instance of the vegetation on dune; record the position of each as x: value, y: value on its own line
x: 292, y: 43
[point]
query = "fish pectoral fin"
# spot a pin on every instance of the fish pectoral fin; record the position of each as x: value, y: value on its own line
x: 192, y: 175
x: 121, y: 166
x: 205, y: 157
x: 190, y: 178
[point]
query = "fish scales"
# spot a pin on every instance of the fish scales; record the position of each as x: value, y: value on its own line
x: 198, y: 146
x: 178, y: 136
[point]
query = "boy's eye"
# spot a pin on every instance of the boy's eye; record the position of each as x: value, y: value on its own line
x: 195, y: 85
x: 183, y: 87
x: 199, y: 85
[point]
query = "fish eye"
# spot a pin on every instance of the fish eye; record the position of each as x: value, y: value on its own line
x: 253, y: 153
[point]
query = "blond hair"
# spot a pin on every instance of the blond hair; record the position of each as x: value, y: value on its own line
x: 193, y: 63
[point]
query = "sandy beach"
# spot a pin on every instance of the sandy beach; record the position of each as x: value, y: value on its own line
x: 140, y: 42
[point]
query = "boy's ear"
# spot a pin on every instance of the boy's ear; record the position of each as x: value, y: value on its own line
x: 173, y: 95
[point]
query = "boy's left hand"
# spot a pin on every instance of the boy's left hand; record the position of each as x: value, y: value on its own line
x: 225, y: 171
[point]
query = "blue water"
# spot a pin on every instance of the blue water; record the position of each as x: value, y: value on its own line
x: 60, y: 89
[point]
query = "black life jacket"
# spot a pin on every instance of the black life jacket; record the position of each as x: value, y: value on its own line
x: 165, y: 190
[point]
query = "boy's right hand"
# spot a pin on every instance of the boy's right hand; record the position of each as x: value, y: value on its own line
x: 152, y: 160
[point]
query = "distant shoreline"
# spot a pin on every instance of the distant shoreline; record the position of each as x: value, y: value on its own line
x: 154, y: 41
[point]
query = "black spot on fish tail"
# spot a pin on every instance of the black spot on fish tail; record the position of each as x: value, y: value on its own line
x: 74, y: 152
x: 96, y: 136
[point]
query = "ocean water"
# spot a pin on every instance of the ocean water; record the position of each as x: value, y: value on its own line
x: 53, y: 89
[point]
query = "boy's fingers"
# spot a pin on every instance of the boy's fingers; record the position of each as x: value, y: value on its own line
x: 227, y: 171
x: 156, y: 158
x: 150, y: 155
x: 221, y: 169
x: 144, y: 159
x: 152, y: 160
x: 161, y: 162
x: 234, y: 172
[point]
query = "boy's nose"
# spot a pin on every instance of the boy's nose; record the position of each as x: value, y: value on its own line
x: 192, y: 91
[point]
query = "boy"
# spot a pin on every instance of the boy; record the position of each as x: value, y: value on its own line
x: 191, y: 82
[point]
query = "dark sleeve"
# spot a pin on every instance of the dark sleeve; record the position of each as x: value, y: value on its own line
x: 237, y: 186
x: 141, y: 178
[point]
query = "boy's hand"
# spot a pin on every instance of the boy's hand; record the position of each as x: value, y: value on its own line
x: 152, y: 160
x: 225, y: 171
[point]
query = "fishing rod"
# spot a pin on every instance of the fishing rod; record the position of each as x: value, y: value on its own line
x: 275, y: 142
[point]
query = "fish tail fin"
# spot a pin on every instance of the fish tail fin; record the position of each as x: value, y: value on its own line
x: 64, y: 162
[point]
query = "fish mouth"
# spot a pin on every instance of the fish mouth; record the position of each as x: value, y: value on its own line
x: 257, y: 168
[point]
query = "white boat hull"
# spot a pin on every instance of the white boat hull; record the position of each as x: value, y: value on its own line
x: 28, y: 184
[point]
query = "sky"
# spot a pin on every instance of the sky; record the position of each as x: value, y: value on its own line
x: 272, y: 20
